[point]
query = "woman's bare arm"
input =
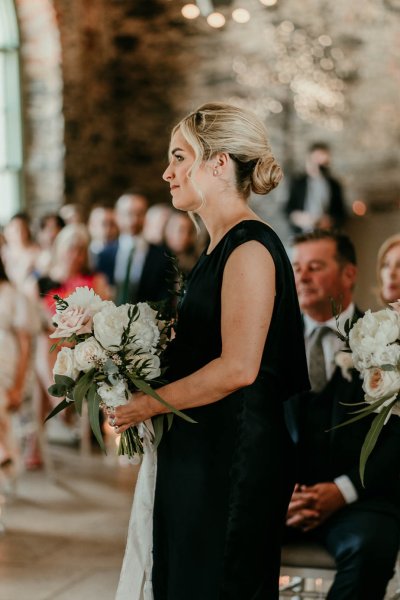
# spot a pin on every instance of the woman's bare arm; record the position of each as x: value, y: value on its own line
x: 247, y: 301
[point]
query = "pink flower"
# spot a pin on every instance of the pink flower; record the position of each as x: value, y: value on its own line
x: 73, y: 319
x: 396, y: 305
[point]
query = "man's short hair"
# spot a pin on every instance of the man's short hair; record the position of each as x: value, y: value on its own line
x: 319, y: 146
x: 345, y: 251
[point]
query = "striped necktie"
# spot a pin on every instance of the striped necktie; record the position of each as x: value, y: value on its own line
x: 316, y: 359
x: 123, y: 294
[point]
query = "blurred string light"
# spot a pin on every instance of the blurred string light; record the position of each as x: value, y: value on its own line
x: 217, y: 19
x: 359, y: 208
x: 301, y: 69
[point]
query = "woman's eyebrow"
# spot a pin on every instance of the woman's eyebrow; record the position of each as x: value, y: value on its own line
x: 176, y: 150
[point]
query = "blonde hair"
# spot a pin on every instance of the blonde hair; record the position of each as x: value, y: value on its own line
x: 217, y: 127
x: 72, y: 234
x: 391, y: 241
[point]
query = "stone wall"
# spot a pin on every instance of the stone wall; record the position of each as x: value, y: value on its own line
x: 124, y: 70
x: 112, y: 76
x: 42, y: 100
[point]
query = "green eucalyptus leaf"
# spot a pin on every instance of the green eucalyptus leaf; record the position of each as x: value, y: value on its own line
x: 64, y: 380
x: 147, y: 389
x: 94, y: 415
x: 158, y: 426
x: 360, y: 414
x: 388, y: 368
x: 59, y: 391
x: 372, y: 437
x: 110, y: 367
x: 61, y: 406
x: 170, y: 419
x: 81, y: 389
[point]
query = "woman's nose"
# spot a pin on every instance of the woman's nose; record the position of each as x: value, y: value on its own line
x: 167, y: 175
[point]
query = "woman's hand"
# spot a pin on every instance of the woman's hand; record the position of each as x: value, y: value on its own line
x: 137, y: 410
x: 14, y: 397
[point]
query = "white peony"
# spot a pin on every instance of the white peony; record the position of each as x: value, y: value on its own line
x: 146, y: 312
x: 372, y: 333
x: 389, y: 355
x: 113, y: 395
x: 89, y: 354
x: 145, y: 329
x: 85, y: 298
x: 148, y: 363
x: 146, y: 335
x: 109, y: 325
x: 65, y: 364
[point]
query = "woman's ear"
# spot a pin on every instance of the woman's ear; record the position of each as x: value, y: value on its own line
x: 221, y: 159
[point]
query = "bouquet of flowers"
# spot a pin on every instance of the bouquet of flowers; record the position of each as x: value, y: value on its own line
x: 374, y: 343
x: 108, y: 352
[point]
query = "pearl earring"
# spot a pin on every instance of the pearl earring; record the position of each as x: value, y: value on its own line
x: 215, y: 172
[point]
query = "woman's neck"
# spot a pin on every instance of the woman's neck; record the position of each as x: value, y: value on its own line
x: 220, y: 218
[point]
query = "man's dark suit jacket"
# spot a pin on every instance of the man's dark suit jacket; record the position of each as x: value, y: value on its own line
x: 156, y: 275
x: 297, y: 197
x: 323, y: 455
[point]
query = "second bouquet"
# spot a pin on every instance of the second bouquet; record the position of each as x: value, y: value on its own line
x: 107, y: 353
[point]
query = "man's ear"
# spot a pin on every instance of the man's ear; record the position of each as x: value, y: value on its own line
x: 350, y: 274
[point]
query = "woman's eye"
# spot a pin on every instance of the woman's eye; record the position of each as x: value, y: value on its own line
x: 178, y: 157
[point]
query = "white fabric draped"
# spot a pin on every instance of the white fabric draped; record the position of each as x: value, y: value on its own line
x: 135, y: 579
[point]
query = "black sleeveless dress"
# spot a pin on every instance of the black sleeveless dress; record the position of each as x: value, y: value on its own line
x: 223, y: 484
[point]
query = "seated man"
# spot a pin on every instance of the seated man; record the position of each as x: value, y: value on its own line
x: 359, y: 526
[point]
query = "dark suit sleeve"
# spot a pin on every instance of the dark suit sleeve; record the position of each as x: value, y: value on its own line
x: 337, y: 208
x: 382, y: 473
x: 106, y: 261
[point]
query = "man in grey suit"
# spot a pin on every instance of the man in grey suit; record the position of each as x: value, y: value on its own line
x: 138, y: 270
x: 360, y: 526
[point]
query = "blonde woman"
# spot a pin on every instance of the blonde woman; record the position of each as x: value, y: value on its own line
x: 223, y: 484
x: 15, y: 348
x: 388, y: 269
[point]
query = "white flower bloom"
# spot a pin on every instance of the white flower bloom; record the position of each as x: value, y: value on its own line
x: 146, y: 312
x: 389, y: 355
x: 113, y: 395
x: 148, y: 362
x: 85, y: 298
x: 88, y: 354
x: 372, y: 333
x: 109, y: 325
x: 146, y: 335
x: 65, y: 364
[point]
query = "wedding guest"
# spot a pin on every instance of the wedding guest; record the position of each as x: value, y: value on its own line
x: 139, y: 270
x: 359, y: 526
x: 71, y: 213
x: 155, y: 222
x: 20, y: 252
x: 315, y: 197
x: 103, y: 230
x: 50, y: 226
x: 69, y: 269
x: 388, y: 267
x: 180, y: 238
x: 15, y: 348
x: 223, y: 483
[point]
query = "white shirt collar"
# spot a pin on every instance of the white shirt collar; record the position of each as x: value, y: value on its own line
x: 310, y: 324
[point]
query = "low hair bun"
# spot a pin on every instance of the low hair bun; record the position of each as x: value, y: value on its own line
x: 266, y: 175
